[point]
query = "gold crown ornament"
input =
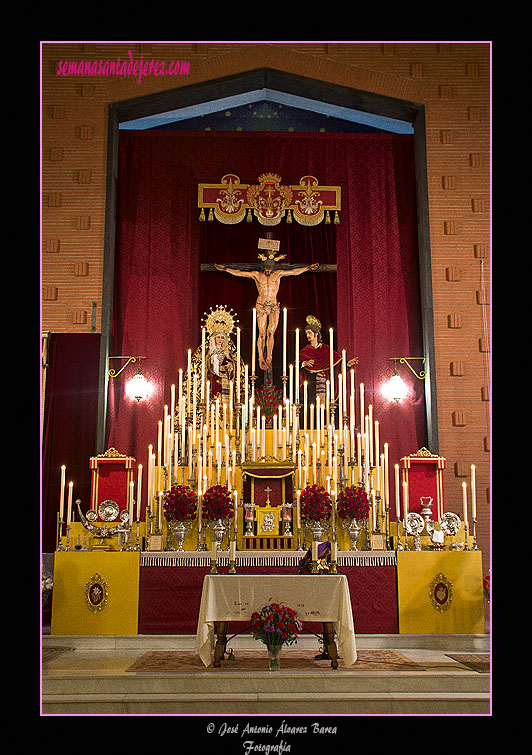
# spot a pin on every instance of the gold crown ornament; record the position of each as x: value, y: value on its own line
x: 220, y: 320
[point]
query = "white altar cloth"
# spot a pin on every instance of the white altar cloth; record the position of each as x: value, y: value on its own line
x: 234, y: 597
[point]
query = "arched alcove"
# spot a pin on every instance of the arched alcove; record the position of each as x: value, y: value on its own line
x: 260, y: 84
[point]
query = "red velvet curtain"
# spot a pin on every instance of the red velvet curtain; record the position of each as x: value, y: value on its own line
x: 160, y: 295
x: 69, y: 429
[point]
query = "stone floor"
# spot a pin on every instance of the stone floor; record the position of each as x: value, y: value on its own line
x: 92, y: 679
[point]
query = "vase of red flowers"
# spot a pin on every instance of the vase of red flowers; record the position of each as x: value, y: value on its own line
x: 352, y: 506
x: 275, y: 625
x: 216, y: 511
x: 315, y: 504
x: 179, y: 506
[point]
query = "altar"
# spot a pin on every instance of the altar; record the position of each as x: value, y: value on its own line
x: 248, y: 481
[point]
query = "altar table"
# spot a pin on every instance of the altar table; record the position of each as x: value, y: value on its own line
x: 324, y: 598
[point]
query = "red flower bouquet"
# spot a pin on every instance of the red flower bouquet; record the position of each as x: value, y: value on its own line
x: 179, y: 503
x: 275, y: 624
x: 315, y: 503
x: 268, y: 397
x: 352, y: 503
x: 217, y: 503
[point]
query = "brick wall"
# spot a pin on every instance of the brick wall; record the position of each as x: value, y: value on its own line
x: 451, y: 80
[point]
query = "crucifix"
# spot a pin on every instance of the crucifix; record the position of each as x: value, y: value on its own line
x: 268, y: 490
x: 267, y: 277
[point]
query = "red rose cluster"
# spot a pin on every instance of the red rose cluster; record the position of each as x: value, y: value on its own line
x: 315, y: 503
x: 353, y: 503
x: 217, y: 503
x: 179, y: 503
x: 275, y: 624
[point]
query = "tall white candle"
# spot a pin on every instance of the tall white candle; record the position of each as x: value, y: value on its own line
x: 344, y: 379
x: 202, y: 364
x: 69, y: 503
x: 189, y: 378
x: 397, y: 494
x: 305, y: 401
x: 139, y: 489
x: 131, y: 498
x: 284, y: 339
x: 62, y: 493
x: 361, y: 389
x: 331, y: 362
x: 405, y: 501
x: 370, y: 433
x: 253, y: 346
x: 473, y: 492
x: 172, y: 409
x: 238, y: 365
x: 464, y: 495
x: 377, y: 454
x: 297, y: 366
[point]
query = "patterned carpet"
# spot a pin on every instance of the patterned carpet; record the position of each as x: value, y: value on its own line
x: 161, y: 661
x: 476, y: 661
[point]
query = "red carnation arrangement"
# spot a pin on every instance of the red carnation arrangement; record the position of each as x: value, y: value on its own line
x: 217, y: 503
x: 315, y: 503
x: 179, y: 504
x: 275, y: 624
x: 353, y: 503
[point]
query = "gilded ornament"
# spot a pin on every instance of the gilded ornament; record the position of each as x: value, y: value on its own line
x: 96, y: 593
x: 441, y: 592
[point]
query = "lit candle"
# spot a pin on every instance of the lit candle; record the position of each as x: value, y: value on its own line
x: 172, y: 409
x: 359, y: 456
x: 159, y: 449
x: 298, y: 509
x: 370, y: 433
x: 160, y: 511
x: 297, y: 365
x: 291, y: 383
x: 473, y: 492
x: 69, y: 503
x: 405, y: 500
x: 331, y: 360
x: 62, y: 494
x: 238, y: 365
x: 344, y: 378
x: 131, y: 498
x: 464, y: 495
x: 361, y: 404
x: 284, y: 340
x: 139, y: 489
x: 189, y: 377
x: 305, y: 401
x: 397, y: 496
x: 386, y: 475
x: 254, y: 345
x: 377, y: 455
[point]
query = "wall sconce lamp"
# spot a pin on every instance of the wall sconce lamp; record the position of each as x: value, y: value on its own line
x: 136, y: 387
x: 396, y: 389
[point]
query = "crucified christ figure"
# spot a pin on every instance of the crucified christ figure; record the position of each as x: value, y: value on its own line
x: 267, y: 280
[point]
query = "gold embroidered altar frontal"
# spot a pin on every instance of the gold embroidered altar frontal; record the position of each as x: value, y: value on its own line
x: 440, y: 592
x: 95, y: 593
